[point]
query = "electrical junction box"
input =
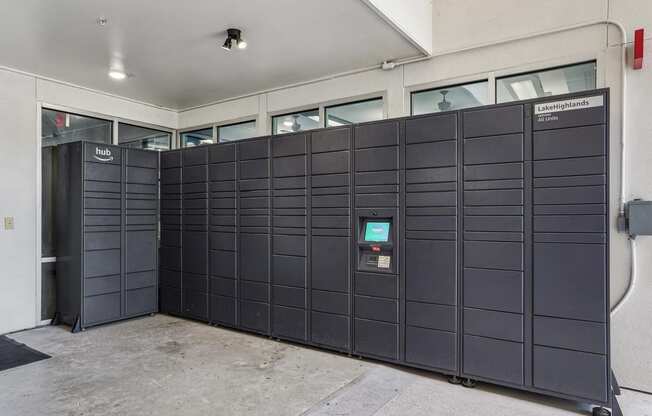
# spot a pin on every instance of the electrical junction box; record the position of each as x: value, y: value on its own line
x: 639, y: 216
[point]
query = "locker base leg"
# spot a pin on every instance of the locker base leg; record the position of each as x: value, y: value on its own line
x: 468, y: 383
x: 601, y: 411
x: 454, y: 380
x: 614, y: 384
x: 56, y: 319
x: 76, y: 326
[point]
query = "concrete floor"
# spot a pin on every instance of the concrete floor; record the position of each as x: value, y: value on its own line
x: 167, y: 366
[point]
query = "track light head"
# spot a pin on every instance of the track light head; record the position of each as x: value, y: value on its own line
x: 234, y: 36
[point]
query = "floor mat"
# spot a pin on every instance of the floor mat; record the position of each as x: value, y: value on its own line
x: 14, y: 354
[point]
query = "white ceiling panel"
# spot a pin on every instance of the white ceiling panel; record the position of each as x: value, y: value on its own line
x: 172, y: 47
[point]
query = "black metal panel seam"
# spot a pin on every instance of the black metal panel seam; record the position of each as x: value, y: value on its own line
x: 459, y: 281
x: 308, y: 278
x: 181, y: 229
x: 236, y: 183
x: 400, y: 228
x: 270, y: 239
x: 528, y: 253
x: 123, y: 233
x: 207, y: 207
x: 352, y: 245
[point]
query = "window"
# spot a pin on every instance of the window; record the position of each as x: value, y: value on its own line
x: 454, y: 97
x: 59, y: 127
x: 143, y: 138
x: 358, y: 112
x: 564, y: 80
x: 289, y: 123
x: 236, y: 131
x: 197, y: 137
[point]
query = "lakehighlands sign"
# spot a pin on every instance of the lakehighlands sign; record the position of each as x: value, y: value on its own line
x: 569, y: 105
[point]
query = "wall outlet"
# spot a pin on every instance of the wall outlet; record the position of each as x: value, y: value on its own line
x: 9, y: 223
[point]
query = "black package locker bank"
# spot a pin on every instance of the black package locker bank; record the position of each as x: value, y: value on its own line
x: 107, y: 224
x: 473, y: 243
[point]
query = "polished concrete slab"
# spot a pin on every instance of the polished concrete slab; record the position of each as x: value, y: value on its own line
x: 167, y: 366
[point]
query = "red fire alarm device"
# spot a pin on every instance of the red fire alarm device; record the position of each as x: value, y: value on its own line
x: 639, y: 41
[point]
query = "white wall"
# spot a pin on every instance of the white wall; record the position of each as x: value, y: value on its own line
x: 479, y: 40
x: 19, y: 190
x: 18, y: 198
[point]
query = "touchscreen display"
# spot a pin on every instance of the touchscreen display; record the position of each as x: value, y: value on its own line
x: 376, y: 231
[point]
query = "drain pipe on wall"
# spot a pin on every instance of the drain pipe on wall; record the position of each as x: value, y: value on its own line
x: 623, y: 105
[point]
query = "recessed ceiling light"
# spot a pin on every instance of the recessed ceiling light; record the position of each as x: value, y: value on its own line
x: 117, y: 75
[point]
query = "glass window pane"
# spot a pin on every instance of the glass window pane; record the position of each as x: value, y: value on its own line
x: 59, y: 127
x: 237, y: 131
x: 545, y: 83
x: 143, y: 138
x: 450, y: 98
x: 369, y: 110
x: 289, y: 123
x: 197, y: 137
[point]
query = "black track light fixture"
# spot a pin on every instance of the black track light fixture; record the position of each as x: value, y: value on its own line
x: 234, y: 36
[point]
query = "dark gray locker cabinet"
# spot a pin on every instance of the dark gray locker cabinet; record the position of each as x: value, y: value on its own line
x: 330, y: 241
x: 253, y: 181
x: 107, y: 217
x: 570, y: 235
x: 472, y: 243
x: 289, y: 317
x: 430, y: 242
x: 170, y: 244
x: 495, y: 169
x: 376, y: 195
x: 222, y: 240
x: 194, y: 236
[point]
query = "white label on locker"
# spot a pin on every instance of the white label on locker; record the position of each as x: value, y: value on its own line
x: 383, y: 262
x: 569, y: 105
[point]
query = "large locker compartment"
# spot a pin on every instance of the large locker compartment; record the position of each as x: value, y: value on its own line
x: 430, y: 242
x: 107, y: 216
x: 289, y: 318
x: 330, y: 239
x: 222, y: 240
x: 170, y: 243
x: 194, y: 235
x: 376, y: 277
x: 254, y: 210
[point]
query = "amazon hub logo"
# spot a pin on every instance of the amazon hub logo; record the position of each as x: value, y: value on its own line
x: 103, y: 155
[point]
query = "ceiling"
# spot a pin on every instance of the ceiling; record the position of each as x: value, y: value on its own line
x: 172, y: 47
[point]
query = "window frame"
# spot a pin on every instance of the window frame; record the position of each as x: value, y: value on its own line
x: 364, y: 100
x: 497, y: 78
x: 316, y: 109
x: 180, y: 134
x: 219, y: 126
x: 111, y: 122
x: 170, y: 135
x: 452, y: 85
